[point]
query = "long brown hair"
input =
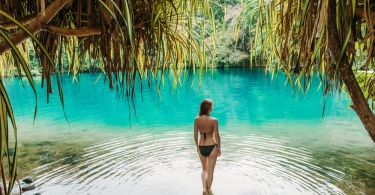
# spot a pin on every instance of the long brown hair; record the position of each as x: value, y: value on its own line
x: 206, y: 104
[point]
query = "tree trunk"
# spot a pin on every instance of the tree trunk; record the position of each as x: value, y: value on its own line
x: 360, y: 104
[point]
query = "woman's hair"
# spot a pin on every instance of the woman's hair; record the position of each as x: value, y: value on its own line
x: 206, y: 104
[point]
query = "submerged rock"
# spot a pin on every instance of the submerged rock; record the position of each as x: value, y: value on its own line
x: 29, y: 187
x: 28, y: 180
x: 26, y: 186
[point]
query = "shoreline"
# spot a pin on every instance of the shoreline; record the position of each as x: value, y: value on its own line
x: 37, y: 73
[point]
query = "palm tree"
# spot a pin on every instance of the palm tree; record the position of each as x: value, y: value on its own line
x: 130, y: 39
x: 327, y: 37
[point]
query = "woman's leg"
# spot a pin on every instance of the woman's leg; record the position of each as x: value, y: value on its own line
x: 204, y: 161
x: 211, y: 166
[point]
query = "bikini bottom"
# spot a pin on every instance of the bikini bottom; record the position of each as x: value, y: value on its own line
x: 206, y: 150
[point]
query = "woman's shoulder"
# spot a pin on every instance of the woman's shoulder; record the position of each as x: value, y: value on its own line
x: 211, y: 118
x: 214, y: 119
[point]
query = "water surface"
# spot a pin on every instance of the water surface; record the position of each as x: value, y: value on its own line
x: 274, y: 139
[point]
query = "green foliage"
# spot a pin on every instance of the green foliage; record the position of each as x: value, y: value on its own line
x: 227, y: 57
x: 366, y: 81
x: 235, y: 32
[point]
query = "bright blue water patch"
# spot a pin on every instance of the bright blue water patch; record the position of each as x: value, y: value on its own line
x: 241, y: 96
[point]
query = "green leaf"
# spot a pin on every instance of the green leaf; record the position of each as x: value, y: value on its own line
x: 44, y: 51
x: 4, y: 138
x: 345, y: 44
x: 24, y: 67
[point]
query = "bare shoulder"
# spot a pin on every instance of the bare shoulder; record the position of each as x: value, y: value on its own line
x: 214, y: 119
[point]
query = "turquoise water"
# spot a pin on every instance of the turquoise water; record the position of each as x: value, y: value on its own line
x: 275, y: 140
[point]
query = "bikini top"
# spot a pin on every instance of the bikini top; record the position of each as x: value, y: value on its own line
x: 205, y: 134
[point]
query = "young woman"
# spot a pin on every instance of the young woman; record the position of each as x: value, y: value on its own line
x: 208, y: 146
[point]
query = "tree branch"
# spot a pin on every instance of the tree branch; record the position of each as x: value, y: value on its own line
x: 25, y: 20
x: 360, y: 12
x: 35, y: 25
x: 360, y: 104
x: 78, y: 32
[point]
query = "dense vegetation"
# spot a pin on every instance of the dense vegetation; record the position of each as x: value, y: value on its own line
x: 233, y: 32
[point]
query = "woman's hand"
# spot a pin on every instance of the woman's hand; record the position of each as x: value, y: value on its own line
x: 219, y: 153
x: 198, y: 150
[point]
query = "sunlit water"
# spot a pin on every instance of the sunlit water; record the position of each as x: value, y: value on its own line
x: 274, y: 139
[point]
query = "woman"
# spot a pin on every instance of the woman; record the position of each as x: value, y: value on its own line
x: 209, y: 143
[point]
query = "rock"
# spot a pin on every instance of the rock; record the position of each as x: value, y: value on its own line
x: 35, y: 72
x: 29, y: 187
x: 28, y: 180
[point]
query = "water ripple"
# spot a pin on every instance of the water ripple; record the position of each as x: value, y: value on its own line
x: 168, y: 164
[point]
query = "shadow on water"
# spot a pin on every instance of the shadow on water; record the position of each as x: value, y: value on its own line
x: 358, y: 169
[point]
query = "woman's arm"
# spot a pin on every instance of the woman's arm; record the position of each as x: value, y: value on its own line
x: 217, y: 136
x: 196, y: 134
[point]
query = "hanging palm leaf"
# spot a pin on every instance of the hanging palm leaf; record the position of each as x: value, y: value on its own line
x: 323, y: 37
x: 125, y: 39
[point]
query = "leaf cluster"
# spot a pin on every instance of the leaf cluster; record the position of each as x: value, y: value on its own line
x: 295, y: 34
x: 128, y: 40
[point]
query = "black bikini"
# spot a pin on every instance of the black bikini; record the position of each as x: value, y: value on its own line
x: 206, y: 150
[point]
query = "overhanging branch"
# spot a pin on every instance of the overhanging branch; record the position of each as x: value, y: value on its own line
x: 35, y: 25
x: 25, y: 20
x: 78, y: 32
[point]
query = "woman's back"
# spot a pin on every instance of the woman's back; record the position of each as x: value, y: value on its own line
x: 206, y: 127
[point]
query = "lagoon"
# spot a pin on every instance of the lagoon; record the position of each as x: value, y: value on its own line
x: 274, y: 138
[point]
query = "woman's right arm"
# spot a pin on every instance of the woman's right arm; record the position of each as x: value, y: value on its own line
x: 217, y: 136
x: 196, y: 134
